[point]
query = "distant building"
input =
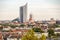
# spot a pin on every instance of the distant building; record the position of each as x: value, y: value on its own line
x: 31, y: 21
x: 30, y: 17
x: 23, y: 13
x: 52, y: 21
x: 57, y: 21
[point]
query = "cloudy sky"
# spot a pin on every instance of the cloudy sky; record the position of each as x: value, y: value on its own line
x: 40, y: 9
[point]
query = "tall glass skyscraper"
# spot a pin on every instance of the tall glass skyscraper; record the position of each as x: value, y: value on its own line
x: 23, y: 13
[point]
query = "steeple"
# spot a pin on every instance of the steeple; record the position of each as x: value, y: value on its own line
x: 30, y: 18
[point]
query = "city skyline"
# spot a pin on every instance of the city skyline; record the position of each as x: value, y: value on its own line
x: 40, y: 9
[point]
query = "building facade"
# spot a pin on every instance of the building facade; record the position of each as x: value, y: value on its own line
x: 23, y: 13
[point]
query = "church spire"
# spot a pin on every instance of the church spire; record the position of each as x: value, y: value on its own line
x: 30, y: 17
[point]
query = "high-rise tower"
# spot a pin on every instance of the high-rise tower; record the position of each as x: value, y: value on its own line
x: 23, y: 13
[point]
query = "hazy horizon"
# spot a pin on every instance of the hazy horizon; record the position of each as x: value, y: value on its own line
x: 40, y: 9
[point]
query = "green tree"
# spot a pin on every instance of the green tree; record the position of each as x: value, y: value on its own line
x: 1, y: 28
x: 56, y: 25
x: 58, y: 34
x: 6, y: 24
x: 12, y: 26
x: 50, y: 33
x: 43, y: 37
x: 22, y: 25
x: 37, y: 30
x: 29, y: 36
x: 30, y: 25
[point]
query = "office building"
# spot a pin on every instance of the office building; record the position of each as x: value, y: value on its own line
x: 23, y: 13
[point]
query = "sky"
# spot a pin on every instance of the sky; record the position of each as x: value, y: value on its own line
x: 40, y: 9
